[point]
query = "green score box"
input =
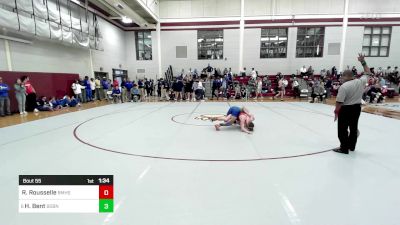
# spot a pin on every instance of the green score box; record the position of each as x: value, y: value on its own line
x: 106, y: 205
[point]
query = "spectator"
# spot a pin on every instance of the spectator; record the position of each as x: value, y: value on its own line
x: 334, y: 71
x: 135, y: 92
x: 303, y: 71
x: 93, y: 88
x: 4, y: 99
x: 116, y: 94
x: 128, y: 86
x: 54, y: 104
x: 328, y: 87
x: 115, y: 83
x: 318, y: 91
x: 43, y: 105
x: 178, y: 90
x: 147, y: 87
x: 323, y: 73
x: 141, y: 88
x: 83, y: 90
x: 282, y: 83
x: 159, y: 88
x: 354, y: 70
x: 198, y: 90
x: 222, y: 86
x: 188, y: 89
x: 31, y: 94
x: 253, y: 74
x: 165, y: 90
x: 106, y: 85
x: 88, y: 89
x: 123, y: 91
x: 77, y: 89
x: 296, y: 88
x: 99, y: 92
x: 310, y: 71
x: 72, y: 102
x: 209, y: 70
x: 20, y: 95
x: 215, y: 88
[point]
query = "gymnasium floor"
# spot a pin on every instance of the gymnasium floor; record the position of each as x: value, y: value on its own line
x: 172, y: 168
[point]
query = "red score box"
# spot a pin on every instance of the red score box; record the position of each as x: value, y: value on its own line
x: 106, y: 192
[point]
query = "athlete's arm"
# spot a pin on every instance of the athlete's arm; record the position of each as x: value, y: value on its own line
x: 243, y: 126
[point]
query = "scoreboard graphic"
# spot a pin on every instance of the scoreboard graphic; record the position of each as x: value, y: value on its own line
x: 66, y: 194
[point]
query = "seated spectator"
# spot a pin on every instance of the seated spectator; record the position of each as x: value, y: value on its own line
x: 54, y: 104
x: 72, y: 102
x: 318, y: 91
x: 135, y: 93
x: 375, y: 94
x: 43, y: 105
x: 243, y: 92
x: 116, y: 94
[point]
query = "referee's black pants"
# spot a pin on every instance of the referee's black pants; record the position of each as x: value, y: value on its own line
x: 348, y: 118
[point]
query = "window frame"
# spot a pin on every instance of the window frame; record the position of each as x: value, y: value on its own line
x: 370, y: 46
x: 217, y: 50
x: 314, y: 47
x: 142, y: 40
x: 275, y: 55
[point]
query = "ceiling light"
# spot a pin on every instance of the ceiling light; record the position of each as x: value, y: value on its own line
x: 126, y: 19
x: 76, y: 1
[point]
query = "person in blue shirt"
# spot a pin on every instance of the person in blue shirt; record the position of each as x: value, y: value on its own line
x: 215, y: 88
x: 128, y: 86
x: 55, y: 104
x: 73, y: 102
x: 106, y: 86
x: 116, y: 94
x: 88, y: 89
x: 4, y: 99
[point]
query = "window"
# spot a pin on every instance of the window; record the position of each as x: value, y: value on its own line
x: 310, y: 42
x: 210, y: 44
x: 376, y: 41
x: 143, y: 45
x: 273, y: 43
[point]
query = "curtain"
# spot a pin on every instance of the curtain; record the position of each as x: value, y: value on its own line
x: 42, y: 29
x: 27, y: 24
x: 8, y: 19
x: 25, y: 5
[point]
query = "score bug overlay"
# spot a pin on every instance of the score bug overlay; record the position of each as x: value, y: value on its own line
x: 66, y: 193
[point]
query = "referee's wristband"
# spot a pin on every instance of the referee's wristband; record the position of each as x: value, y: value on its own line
x: 363, y: 63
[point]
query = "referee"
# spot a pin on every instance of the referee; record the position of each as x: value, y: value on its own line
x: 348, y: 107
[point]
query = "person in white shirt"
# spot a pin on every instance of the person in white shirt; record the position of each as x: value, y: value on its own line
x: 253, y: 74
x: 259, y: 88
x: 282, y: 83
x: 77, y: 88
x: 296, y: 88
x: 303, y: 71
x: 93, y: 88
